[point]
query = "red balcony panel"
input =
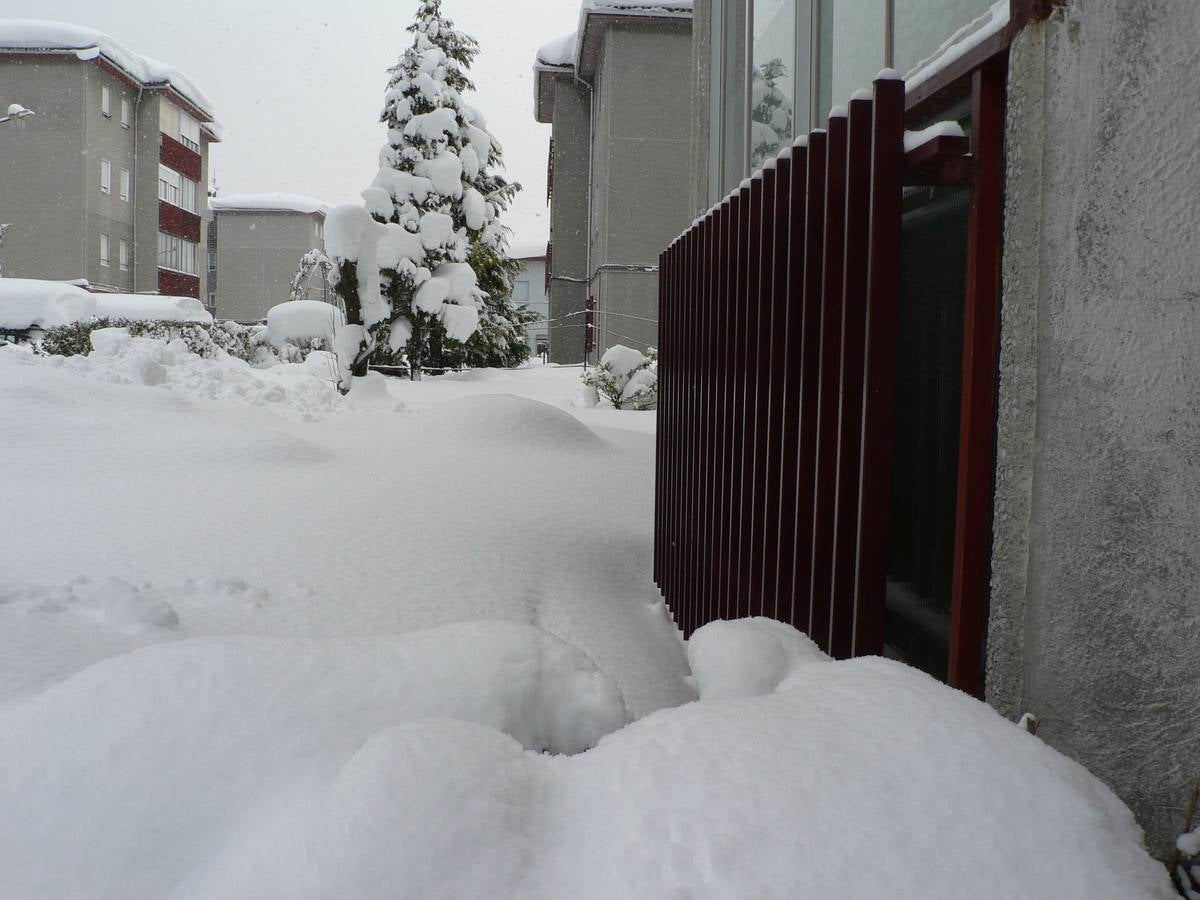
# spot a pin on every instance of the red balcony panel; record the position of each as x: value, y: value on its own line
x: 179, y: 222
x: 177, y: 284
x: 175, y: 155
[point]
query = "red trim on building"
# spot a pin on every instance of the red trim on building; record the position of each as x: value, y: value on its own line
x: 178, y: 284
x: 179, y: 222
x: 174, y: 155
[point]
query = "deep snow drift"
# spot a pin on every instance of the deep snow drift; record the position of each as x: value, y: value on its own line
x: 259, y: 640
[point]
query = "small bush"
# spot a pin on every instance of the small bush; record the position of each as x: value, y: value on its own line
x: 625, y: 378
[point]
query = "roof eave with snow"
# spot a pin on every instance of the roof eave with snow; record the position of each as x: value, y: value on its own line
x: 595, y: 20
x: 545, y: 79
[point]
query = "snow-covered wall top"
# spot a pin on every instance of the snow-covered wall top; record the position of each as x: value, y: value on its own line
x: 559, y: 52
x: 39, y: 34
x: 958, y: 44
x: 33, y: 303
x: 272, y: 201
x: 666, y: 5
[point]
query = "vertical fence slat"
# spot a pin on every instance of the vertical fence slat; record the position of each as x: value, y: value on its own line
x: 749, y: 394
x: 789, y: 417
x: 760, y: 373
x: 728, y: 340
x: 980, y: 348
x: 879, y: 376
x: 775, y: 382
x: 828, y: 323
x: 814, y: 241
x: 837, y: 499
x: 737, y: 430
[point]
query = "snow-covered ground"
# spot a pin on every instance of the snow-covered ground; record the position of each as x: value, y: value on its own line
x: 259, y: 640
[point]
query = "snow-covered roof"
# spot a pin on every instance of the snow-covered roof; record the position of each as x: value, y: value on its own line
x: 559, y: 52
x: 29, y: 35
x: 527, y: 250
x: 596, y: 15
x: 271, y: 201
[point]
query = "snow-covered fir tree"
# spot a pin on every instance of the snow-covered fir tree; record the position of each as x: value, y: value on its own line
x: 404, y: 259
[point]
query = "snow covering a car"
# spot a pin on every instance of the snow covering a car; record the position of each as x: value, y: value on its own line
x: 405, y: 642
x: 31, y: 303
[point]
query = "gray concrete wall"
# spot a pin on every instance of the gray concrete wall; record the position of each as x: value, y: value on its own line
x: 641, y: 180
x: 42, y: 190
x: 51, y: 185
x: 1095, y: 605
x: 701, y: 99
x: 257, y: 257
x: 568, y: 220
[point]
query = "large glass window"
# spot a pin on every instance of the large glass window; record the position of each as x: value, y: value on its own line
x: 173, y: 188
x: 924, y: 25
x: 189, y: 131
x: 176, y: 253
x: 772, y: 78
x: 851, y: 49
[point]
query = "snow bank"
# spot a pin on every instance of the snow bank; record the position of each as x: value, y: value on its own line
x: 276, y: 201
x: 504, y: 419
x: 30, y: 303
x: 151, y: 308
x: 36, y: 34
x: 300, y: 392
x: 302, y: 321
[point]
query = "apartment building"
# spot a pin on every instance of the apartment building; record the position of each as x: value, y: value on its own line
x: 619, y: 176
x: 259, y: 241
x: 529, y: 291
x: 107, y: 181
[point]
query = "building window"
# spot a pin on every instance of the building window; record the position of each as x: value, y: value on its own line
x: 104, y: 249
x: 176, y: 253
x: 124, y: 184
x: 173, y: 188
x: 772, y: 79
x: 105, y: 102
x: 105, y: 177
x: 123, y: 255
x: 124, y: 113
x: 189, y: 131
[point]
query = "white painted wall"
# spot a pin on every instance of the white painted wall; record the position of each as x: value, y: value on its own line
x: 530, y: 285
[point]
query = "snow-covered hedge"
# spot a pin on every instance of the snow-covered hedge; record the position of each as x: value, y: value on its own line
x: 244, y: 342
x: 625, y: 378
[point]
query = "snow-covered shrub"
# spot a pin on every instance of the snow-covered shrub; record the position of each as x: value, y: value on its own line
x: 625, y: 378
x: 244, y: 342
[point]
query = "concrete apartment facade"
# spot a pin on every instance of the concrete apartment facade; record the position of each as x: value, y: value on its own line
x: 1089, y: 598
x: 619, y: 181
x: 260, y: 239
x: 106, y: 181
x: 529, y: 291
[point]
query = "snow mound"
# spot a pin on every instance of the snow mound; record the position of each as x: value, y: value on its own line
x: 747, y: 657
x: 301, y: 392
x: 508, y: 419
x: 194, y: 736
x: 151, y: 308
x: 303, y: 321
x: 32, y: 303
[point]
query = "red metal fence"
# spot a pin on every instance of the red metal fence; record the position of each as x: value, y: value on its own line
x: 777, y: 351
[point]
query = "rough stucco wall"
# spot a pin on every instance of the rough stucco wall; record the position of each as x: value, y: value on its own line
x: 1096, y: 604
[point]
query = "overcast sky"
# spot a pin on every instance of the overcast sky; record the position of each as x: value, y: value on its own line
x: 298, y: 85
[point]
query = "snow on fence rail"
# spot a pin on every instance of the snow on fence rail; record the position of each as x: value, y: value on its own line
x: 772, y: 498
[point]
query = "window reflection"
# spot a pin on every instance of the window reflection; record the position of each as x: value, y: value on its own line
x: 772, y: 79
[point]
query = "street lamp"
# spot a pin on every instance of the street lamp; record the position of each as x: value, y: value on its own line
x: 16, y: 111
